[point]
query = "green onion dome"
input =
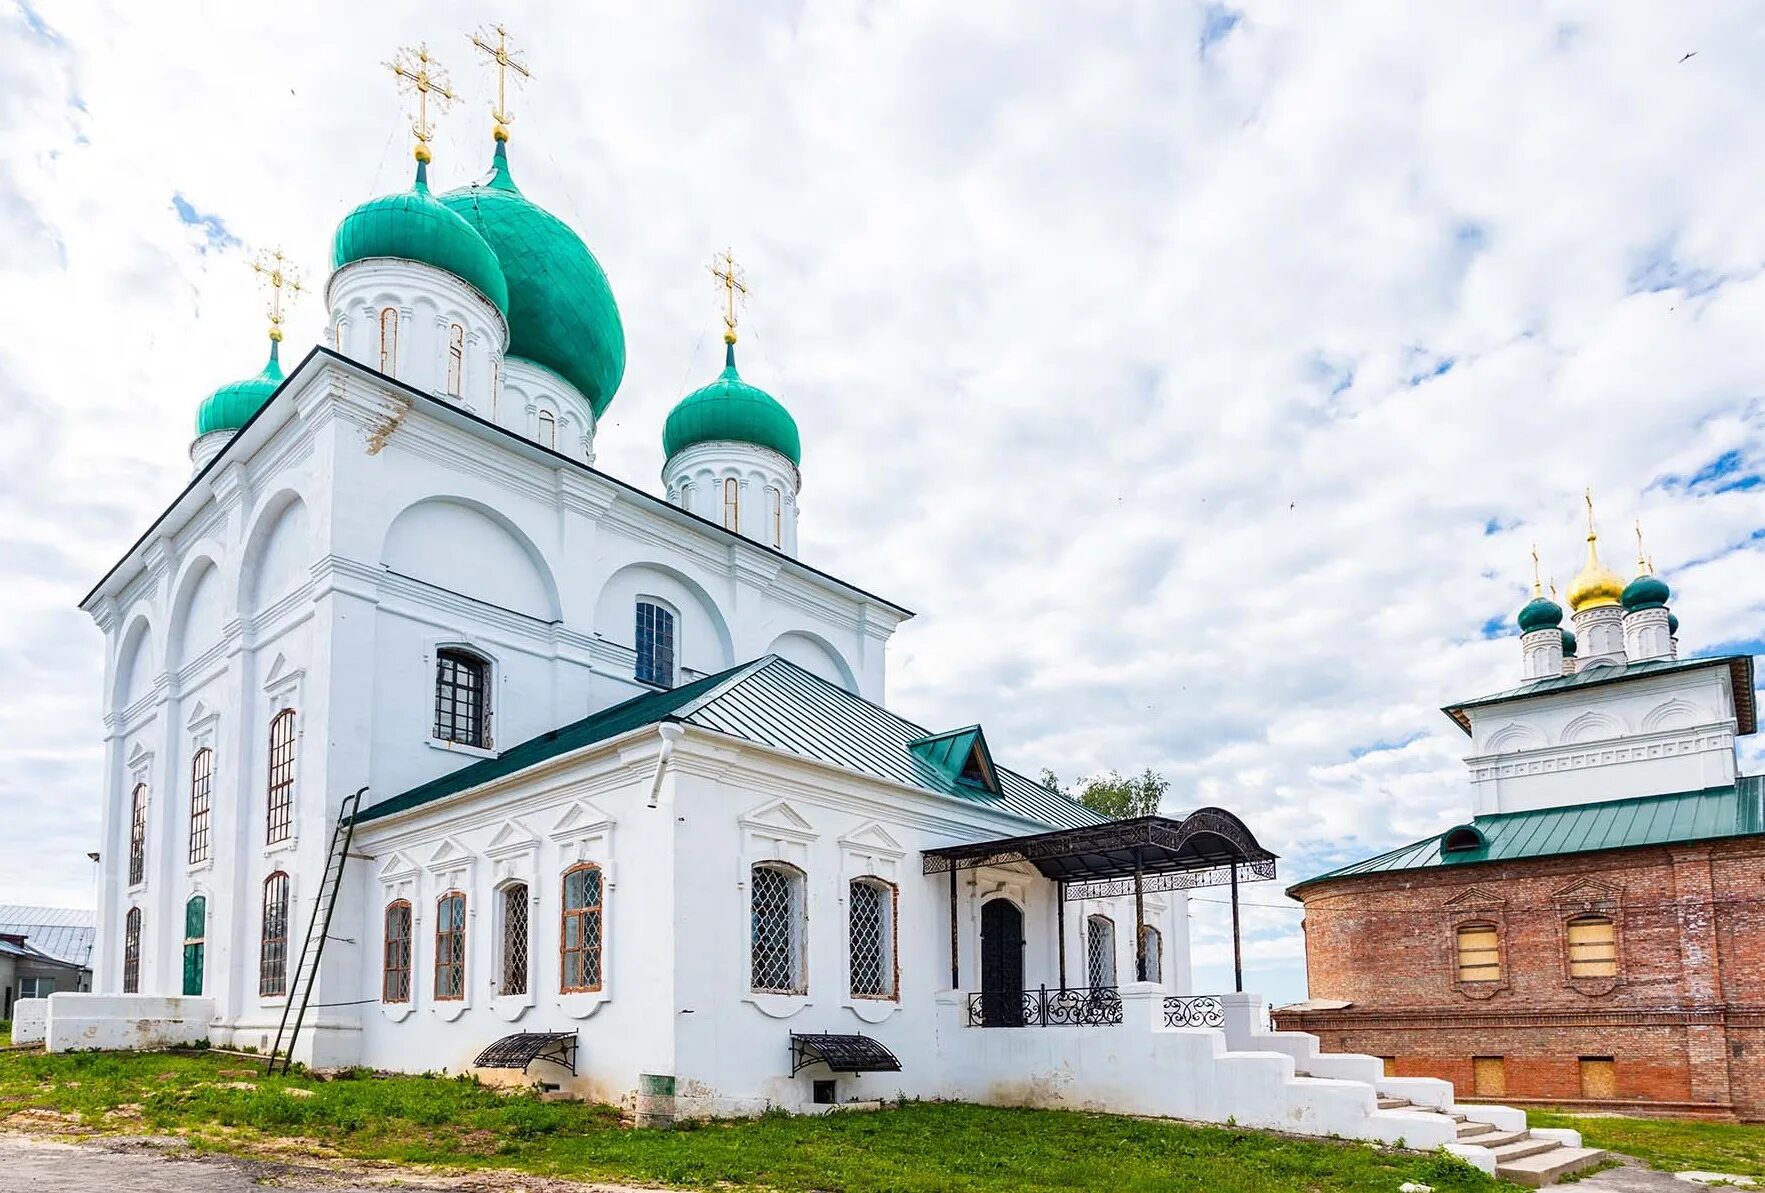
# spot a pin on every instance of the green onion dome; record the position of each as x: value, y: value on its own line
x: 231, y: 406
x: 416, y: 226
x: 1645, y: 592
x: 1568, y: 644
x: 731, y: 409
x: 1540, y: 613
x: 1672, y: 624
x: 561, y: 309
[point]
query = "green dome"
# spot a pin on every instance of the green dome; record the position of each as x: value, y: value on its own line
x: 416, y: 226
x: 231, y: 406
x: 1540, y: 613
x: 561, y: 309
x: 1672, y: 623
x: 729, y: 408
x: 1645, y: 592
x: 1568, y: 644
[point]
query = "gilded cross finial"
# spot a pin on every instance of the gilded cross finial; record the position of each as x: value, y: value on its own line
x: 1642, y: 558
x: 735, y: 289
x: 421, y: 75
x: 274, y: 270
x: 505, y: 60
x: 1592, y: 534
x: 1537, y: 586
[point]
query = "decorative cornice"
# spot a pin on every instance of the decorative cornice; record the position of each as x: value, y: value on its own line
x: 1632, y: 747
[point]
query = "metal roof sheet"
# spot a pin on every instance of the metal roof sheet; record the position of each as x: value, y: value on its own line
x: 64, y: 933
x: 1593, y: 675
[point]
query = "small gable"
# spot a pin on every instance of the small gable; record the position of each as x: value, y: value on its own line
x: 961, y: 756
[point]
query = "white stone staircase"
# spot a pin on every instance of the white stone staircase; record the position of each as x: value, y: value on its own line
x: 1522, y: 1155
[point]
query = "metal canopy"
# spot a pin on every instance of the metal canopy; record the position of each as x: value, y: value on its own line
x: 842, y: 1054
x: 523, y: 1048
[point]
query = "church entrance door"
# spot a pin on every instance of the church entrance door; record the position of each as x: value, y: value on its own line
x: 1001, y: 964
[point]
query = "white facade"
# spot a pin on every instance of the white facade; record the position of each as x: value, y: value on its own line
x: 742, y: 487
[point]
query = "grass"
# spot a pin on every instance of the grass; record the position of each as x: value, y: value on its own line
x: 913, y: 1148
x: 1669, y: 1144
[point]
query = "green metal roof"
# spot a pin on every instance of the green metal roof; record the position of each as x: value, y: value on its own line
x: 960, y: 755
x: 771, y: 702
x: 1710, y: 814
x: 731, y: 409
x: 1593, y: 675
x: 416, y: 226
x: 229, y: 407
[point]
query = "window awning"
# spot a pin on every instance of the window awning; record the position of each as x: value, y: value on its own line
x: 1203, y: 848
x: 842, y: 1054
x: 523, y: 1048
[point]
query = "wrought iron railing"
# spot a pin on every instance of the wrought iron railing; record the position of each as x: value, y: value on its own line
x: 1194, y: 1010
x: 1072, y: 1006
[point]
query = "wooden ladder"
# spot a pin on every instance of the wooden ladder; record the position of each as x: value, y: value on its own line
x: 318, y: 930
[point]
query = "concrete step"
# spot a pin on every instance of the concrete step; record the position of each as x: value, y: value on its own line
x: 1468, y: 1132
x: 1394, y: 1103
x: 1543, y: 1168
x: 1521, y: 1148
x: 1455, y: 1116
x: 1499, y: 1138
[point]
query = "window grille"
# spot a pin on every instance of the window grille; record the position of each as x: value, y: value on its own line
x: 450, y: 946
x: 1151, y: 954
x: 1100, y: 950
x: 132, y: 951
x: 1479, y: 953
x: 195, y: 943
x: 732, y: 504
x: 461, y: 714
x: 138, y: 834
x: 395, y: 961
x: 1593, y: 947
x: 655, y: 644
x: 514, y: 939
x: 272, y: 952
x: 389, y: 341
x: 548, y: 428
x: 281, y: 801
x: 201, y: 779
x: 456, y: 358
x: 776, y: 913
x: 872, y: 933
x: 580, y: 944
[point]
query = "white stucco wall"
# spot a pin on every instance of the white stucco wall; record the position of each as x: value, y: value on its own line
x: 99, y: 1022
x: 30, y: 1020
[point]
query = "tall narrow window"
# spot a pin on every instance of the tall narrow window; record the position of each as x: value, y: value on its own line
x: 337, y: 336
x: 1593, y: 947
x: 580, y: 944
x: 496, y: 384
x: 395, y: 957
x: 776, y: 918
x: 389, y: 341
x: 195, y: 943
x: 1479, y: 953
x: 1151, y: 954
x: 450, y: 946
x: 548, y: 428
x: 132, y: 951
x: 138, y: 834
x: 456, y: 358
x: 777, y: 517
x: 1100, y: 950
x: 871, y: 929
x: 655, y: 644
x: 272, y: 948
x: 732, y: 504
x: 461, y: 712
x: 201, y: 779
x: 514, y: 939
x: 281, y: 793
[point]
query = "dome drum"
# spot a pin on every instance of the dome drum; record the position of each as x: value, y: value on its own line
x: 419, y: 324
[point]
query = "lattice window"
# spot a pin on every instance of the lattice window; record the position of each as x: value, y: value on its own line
x: 732, y: 504
x: 395, y: 959
x: 132, y: 951
x: 514, y: 939
x: 272, y: 951
x: 138, y: 834
x: 655, y: 644
x: 1100, y: 950
x: 461, y: 711
x: 1479, y: 953
x: 776, y: 908
x: 450, y: 946
x: 1151, y: 954
x: 1593, y: 947
x: 871, y: 908
x: 281, y: 794
x: 201, y: 781
x: 580, y: 942
x: 389, y: 341
x: 456, y: 358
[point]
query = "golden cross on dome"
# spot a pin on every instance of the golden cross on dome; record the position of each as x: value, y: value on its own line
x: 1592, y: 534
x: 274, y: 269
x: 422, y: 75
x: 1537, y: 586
x: 1642, y: 558
x: 505, y: 60
x: 735, y: 288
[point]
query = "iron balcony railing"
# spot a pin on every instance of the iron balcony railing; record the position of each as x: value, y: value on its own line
x: 1194, y: 1010
x: 1072, y: 1006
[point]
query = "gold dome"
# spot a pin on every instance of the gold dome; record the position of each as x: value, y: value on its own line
x: 1597, y: 584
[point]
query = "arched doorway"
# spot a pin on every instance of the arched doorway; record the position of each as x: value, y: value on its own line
x: 1001, y: 964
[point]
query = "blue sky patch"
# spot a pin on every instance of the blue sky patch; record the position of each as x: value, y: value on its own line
x: 1217, y: 22
x: 214, y: 229
x: 1377, y: 746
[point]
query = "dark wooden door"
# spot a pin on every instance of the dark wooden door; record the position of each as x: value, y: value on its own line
x: 1001, y: 964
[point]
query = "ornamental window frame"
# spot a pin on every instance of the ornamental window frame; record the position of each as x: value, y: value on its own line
x: 786, y: 896
x: 1101, y: 972
x: 272, y: 936
x: 199, y: 847
x: 887, y: 949
x: 452, y: 662
x: 582, y: 916
x: 1476, y: 907
x: 284, y: 740
x: 397, y: 952
x: 450, y: 946
x: 132, y: 950
x: 1586, y: 899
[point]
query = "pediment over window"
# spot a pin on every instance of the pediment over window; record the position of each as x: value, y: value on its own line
x: 1476, y: 898
x: 512, y: 838
x: 397, y: 866
x: 449, y: 857
x: 200, y: 714
x: 872, y: 837
x: 1588, y: 894
x: 580, y: 819
x: 779, y: 819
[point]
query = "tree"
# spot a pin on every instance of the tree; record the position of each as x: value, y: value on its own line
x: 1116, y: 797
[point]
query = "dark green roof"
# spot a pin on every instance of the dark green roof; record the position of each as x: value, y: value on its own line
x: 1540, y: 613
x: 770, y: 702
x: 416, y: 226
x: 729, y: 409
x: 232, y: 405
x: 1707, y: 815
x: 961, y: 755
x: 1592, y: 676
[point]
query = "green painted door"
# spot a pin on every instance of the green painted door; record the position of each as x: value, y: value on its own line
x: 195, y: 938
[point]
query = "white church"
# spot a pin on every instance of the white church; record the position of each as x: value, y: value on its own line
x: 634, y: 819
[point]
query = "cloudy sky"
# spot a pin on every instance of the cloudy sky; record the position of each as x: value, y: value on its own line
x: 1202, y: 374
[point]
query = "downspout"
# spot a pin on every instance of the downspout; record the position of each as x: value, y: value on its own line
x: 671, y: 732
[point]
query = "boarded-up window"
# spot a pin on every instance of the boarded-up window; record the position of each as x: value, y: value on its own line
x: 1390, y: 1063
x: 1479, y: 953
x: 1593, y: 947
x: 1599, y: 1077
x: 1489, y: 1076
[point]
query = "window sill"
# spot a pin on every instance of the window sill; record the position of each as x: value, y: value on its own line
x: 285, y: 845
x: 779, y: 1006
x: 135, y: 888
x: 1481, y: 990
x: 398, y: 1012
x: 206, y: 863
x: 460, y: 747
x: 582, y: 1004
x: 448, y: 1009
x: 510, y: 1007
x: 874, y: 1010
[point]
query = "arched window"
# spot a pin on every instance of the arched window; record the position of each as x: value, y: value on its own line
x: 655, y: 644
x: 1593, y: 947
x: 582, y: 928
x: 870, y: 914
x: 456, y: 358
x: 138, y: 834
x: 514, y: 942
x: 732, y: 504
x: 1479, y: 953
x: 395, y: 957
x: 777, y: 501
x: 450, y: 946
x: 1100, y: 951
x: 201, y: 779
x: 337, y: 335
x: 389, y: 341
x: 195, y: 943
x: 132, y: 951
x: 548, y: 428
x: 272, y: 948
x: 281, y: 794
x: 462, y: 714
x: 1151, y: 954
x: 776, y: 914
x: 496, y: 384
